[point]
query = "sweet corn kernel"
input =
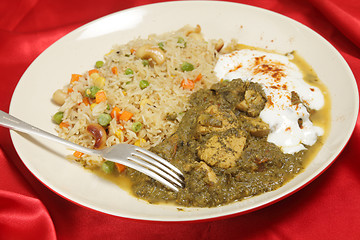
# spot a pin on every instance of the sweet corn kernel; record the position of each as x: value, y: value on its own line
x: 92, y: 106
x: 94, y: 76
x: 140, y: 142
x: 88, y: 91
x: 125, y: 93
x: 119, y: 134
x: 99, y: 82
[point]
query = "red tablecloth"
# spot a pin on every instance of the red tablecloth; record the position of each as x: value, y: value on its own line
x: 329, y: 208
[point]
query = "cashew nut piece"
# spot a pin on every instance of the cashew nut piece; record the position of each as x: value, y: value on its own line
x: 151, y: 52
x: 99, y: 134
x: 219, y: 45
x: 59, y: 97
x: 188, y: 29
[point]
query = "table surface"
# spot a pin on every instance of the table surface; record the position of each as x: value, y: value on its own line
x: 328, y: 208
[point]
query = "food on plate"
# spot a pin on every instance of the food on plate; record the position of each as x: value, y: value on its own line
x: 283, y: 84
x: 238, y: 121
x: 138, y: 93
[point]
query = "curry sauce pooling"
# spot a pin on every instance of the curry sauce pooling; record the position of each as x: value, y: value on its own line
x: 222, y: 149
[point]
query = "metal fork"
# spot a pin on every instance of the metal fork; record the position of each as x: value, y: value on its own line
x: 129, y: 155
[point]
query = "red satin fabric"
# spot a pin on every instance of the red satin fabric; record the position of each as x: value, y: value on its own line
x: 329, y: 208
x: 22, y: 216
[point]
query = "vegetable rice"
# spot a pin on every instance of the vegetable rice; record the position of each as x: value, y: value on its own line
x: 139, y: 98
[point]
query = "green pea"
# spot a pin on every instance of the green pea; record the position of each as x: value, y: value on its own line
x: 104, y: 119
x: 182, y: 42
x: 108, y: 167
x: 143, y: 84
x: 57, y: 118
x: 99, y: 64
x: 129, y: 71
x: 136, y: 126
x: 91, y: 92
x: 161, y: 46
x: 145, y: 62
x: 187, y: 67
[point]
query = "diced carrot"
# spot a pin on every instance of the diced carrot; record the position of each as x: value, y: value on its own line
x: 75, y: 77
x: 114, y: 70
x: 198, y: 78
x: 86, y: 101
x: 132, y: 51
x: 126, y: 116
x: 64, y: 124
x: 78, y: 154
x: 70, y: 90
x: 100, y: 96
x: 120, y: 167
x: 188, y: 84
x: 93, y: 71
x: 115, y: 113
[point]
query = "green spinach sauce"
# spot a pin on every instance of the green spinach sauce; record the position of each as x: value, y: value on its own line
x: 220, y: 146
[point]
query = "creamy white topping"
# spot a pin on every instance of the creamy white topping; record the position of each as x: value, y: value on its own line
x: 278, y: 77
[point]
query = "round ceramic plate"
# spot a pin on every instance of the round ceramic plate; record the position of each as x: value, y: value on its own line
x: 77, y: 51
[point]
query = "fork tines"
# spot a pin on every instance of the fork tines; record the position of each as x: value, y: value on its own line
x: 158, y: 168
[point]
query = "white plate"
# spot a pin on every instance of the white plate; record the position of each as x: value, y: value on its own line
x: 77, y: 52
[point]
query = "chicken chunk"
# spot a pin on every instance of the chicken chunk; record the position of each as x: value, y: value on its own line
x: 255, y: 126
x: 210, y: 174
x: 222, y: 151
x: 252, y: 104
x: 214, y: 120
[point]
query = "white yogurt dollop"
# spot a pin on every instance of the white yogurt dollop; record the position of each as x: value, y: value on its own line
x: 278, y: 77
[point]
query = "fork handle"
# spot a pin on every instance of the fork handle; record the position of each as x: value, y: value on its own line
x: 11, y: 122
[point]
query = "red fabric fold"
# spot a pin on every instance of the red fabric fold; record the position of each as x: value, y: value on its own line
x: 22, y: 214
x: 344, y: 15
x: 23, y: 217
x: 11, y: 15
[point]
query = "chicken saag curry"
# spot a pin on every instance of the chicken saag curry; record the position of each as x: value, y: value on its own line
x: 221, y: 147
